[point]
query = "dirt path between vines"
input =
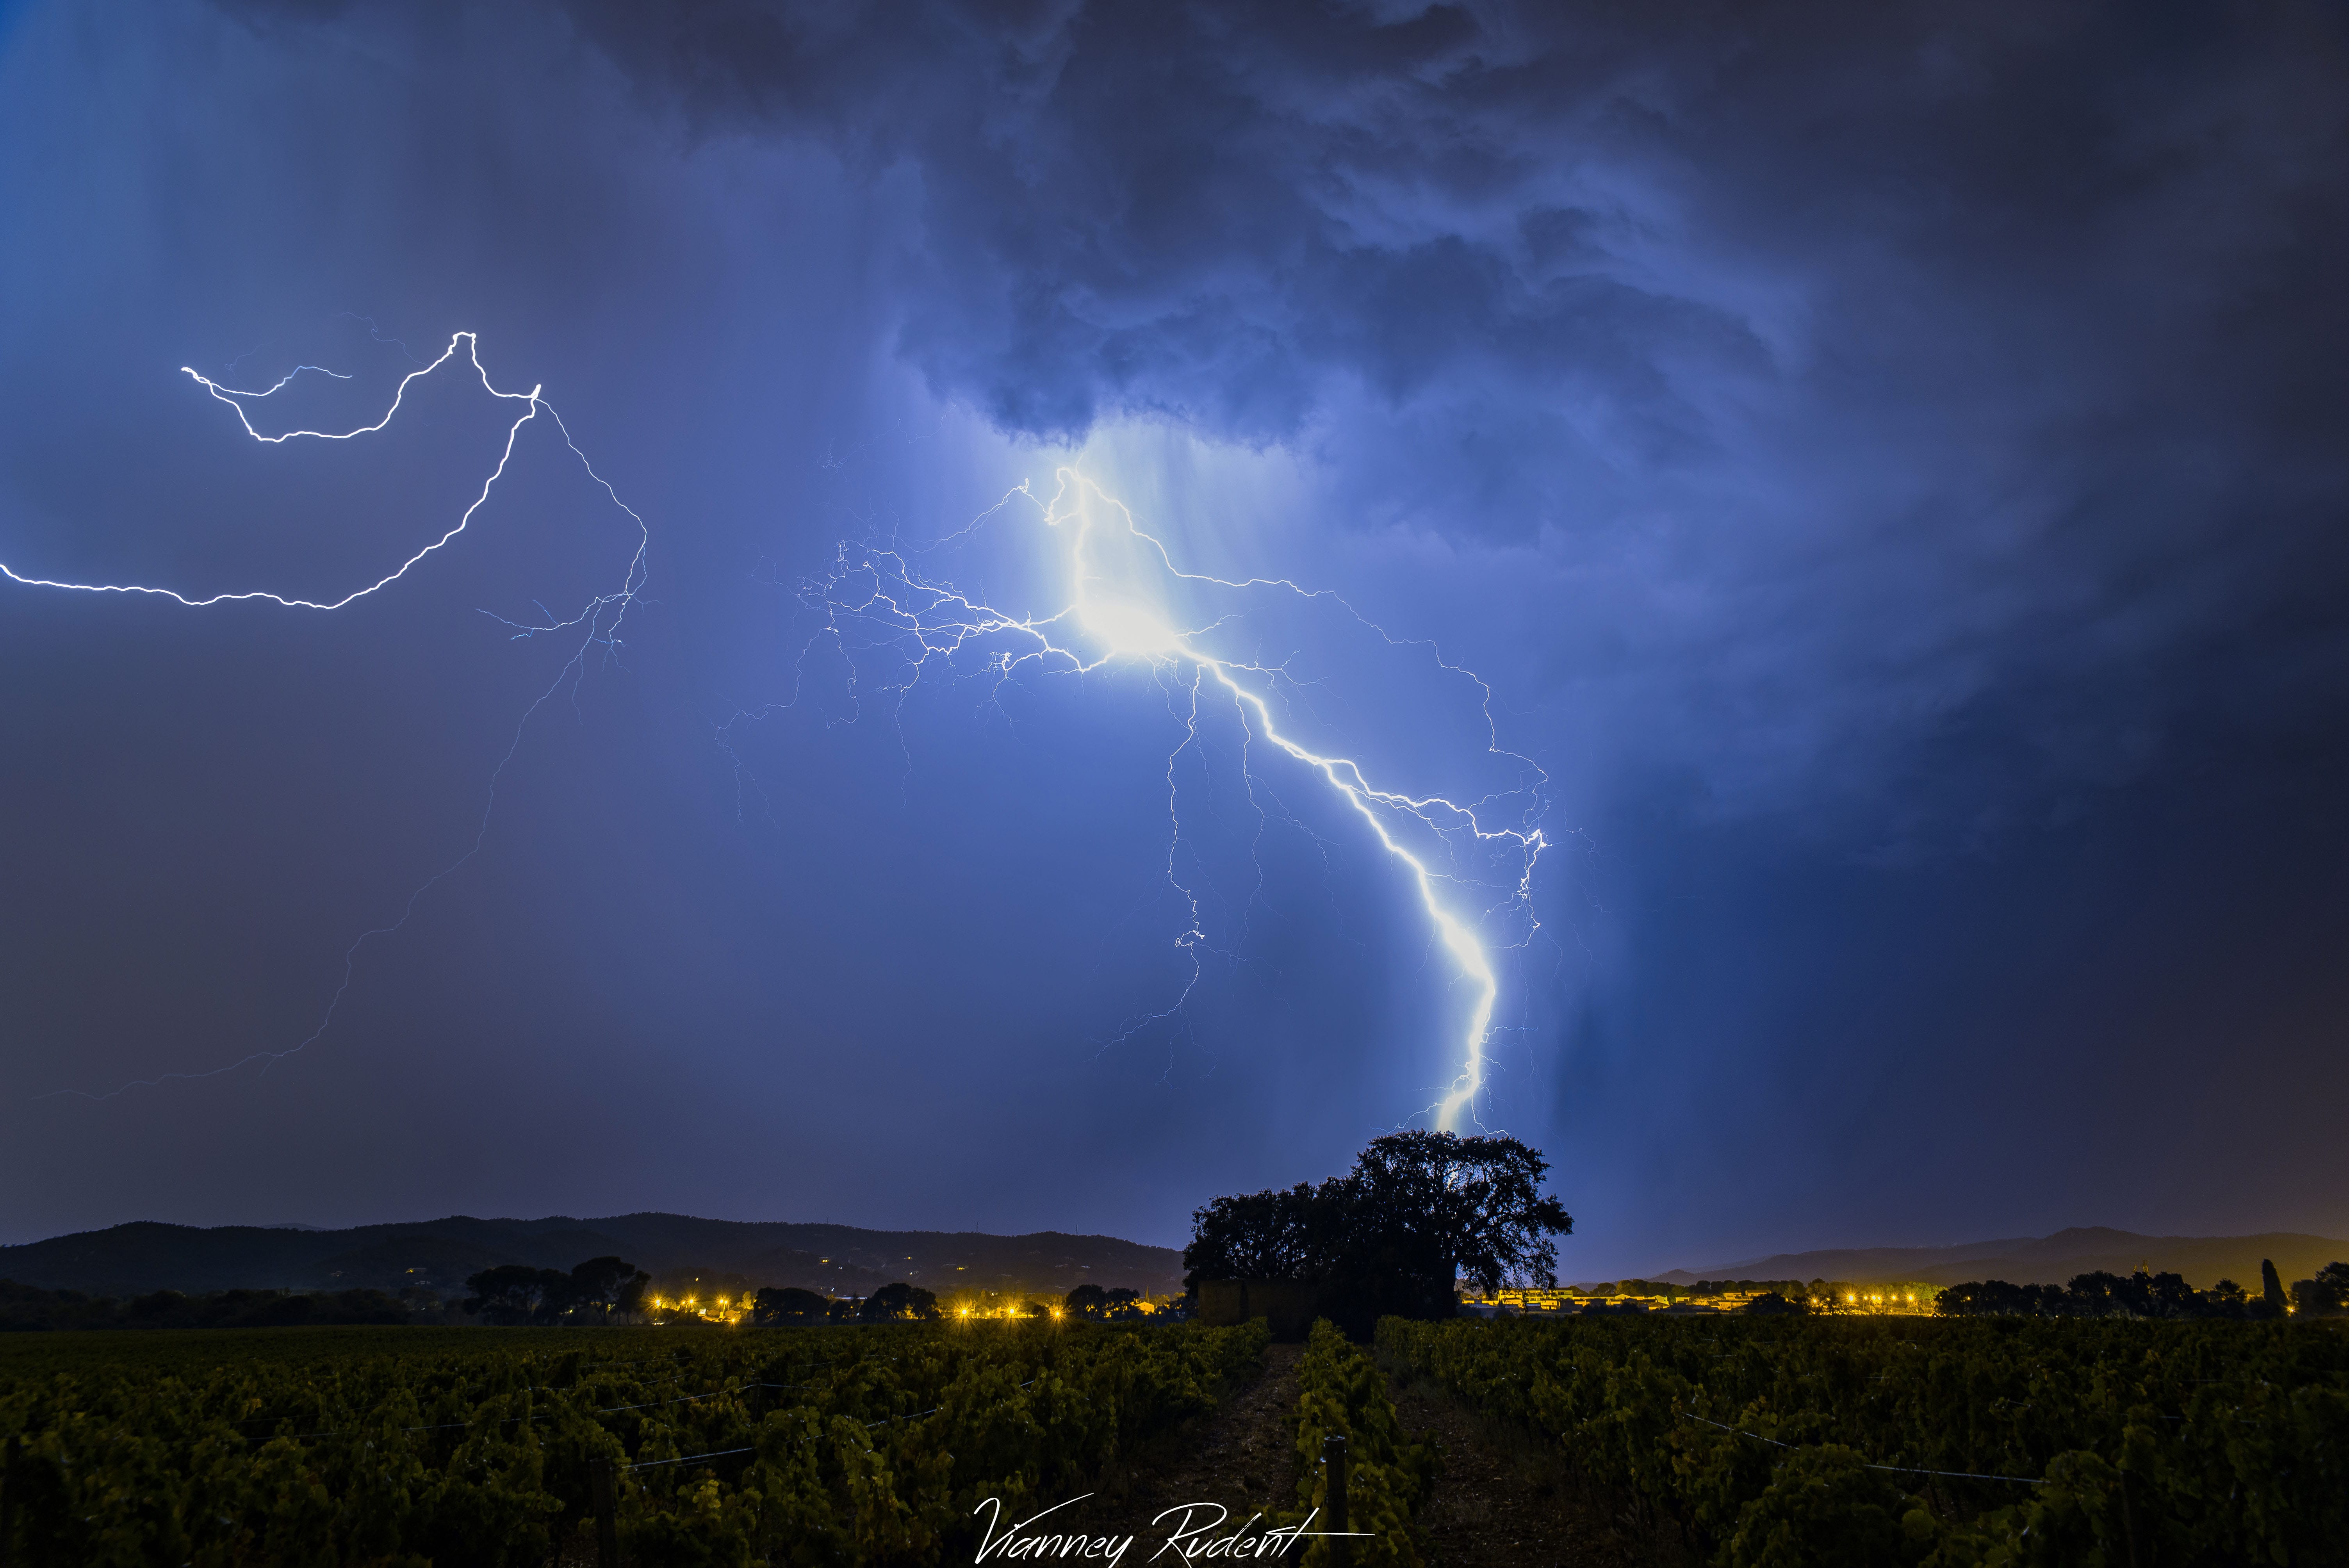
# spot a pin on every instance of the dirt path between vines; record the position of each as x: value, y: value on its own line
x: 1237, y: 1457
x: 1502, y: 1500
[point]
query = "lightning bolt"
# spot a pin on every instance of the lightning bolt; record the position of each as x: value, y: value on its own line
x: 874, y: 602
x: 599, y: 621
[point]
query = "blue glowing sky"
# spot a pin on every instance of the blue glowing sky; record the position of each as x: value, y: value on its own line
x: 1888, y: 472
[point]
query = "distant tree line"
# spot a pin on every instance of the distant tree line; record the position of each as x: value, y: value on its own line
x: 774, y: 1308
x: 2143, y: 1295
x: 1393, y: 1235
x: 897, y: 1303
x: 1708, y: 1287
x: 25, y: 1306
x: 1739, y: 1286
x: 2326, y: 1296
x: 604, y: 1290
x: 901, y: 1303
x: 1115, y: 1304
x: 599, y: 1291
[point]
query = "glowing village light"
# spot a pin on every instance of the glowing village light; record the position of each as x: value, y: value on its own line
x: 1116, y: 581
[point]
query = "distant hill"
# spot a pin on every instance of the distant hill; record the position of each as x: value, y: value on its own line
x: 127, y: 1260
x: 2047, y: 1260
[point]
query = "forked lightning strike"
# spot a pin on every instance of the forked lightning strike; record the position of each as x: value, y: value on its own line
x: 601, y: 618
x: 1110, y: 615
x: 1119, y: 616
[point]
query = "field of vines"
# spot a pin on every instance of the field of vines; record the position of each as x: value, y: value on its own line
x: 481, y: 1447
x: 1778, y: 1442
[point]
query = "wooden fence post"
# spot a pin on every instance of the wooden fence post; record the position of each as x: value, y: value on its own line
x: 604, y: 1489
x: 1333, y: 1461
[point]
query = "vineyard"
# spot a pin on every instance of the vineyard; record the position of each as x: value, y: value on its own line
x: 1757, y: 1443
x: 489, y: 1447
x: 1773, y: 1442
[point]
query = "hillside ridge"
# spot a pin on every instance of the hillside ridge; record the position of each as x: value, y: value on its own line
x: 2051, y: 1259
x: 143, y: 1255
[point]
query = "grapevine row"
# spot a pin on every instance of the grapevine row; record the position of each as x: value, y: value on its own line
x: 1340, y: 1392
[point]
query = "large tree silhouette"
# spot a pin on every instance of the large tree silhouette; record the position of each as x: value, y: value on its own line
x: 1418, y: 1209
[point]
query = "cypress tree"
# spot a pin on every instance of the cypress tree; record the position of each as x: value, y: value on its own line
x: 2271, y: 1284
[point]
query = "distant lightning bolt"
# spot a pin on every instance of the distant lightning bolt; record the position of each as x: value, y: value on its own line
x: 874, y: 601
x: 533, y: 405
x: 599, y: 621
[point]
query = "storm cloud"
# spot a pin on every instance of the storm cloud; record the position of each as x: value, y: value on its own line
x: 1974, y: 375
x: 1888, y: 464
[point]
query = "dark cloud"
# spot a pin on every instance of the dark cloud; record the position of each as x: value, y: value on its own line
x: 1162, y: 208
x: 1953, y: 376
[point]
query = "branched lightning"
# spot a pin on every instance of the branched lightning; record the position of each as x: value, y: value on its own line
x: 874, y: 602
x: 599, y: 621
x: 875, y: 605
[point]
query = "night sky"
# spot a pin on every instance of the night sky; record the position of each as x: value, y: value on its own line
x: 1890, y: 465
